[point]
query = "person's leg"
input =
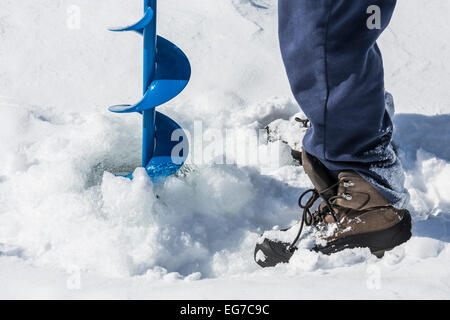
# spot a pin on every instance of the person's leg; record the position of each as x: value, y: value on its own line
x: 336, y: 73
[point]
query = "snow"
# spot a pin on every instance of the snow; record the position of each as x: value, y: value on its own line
x: 69, y: 228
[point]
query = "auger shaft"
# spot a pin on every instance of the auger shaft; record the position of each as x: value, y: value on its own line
x: 149, y: 125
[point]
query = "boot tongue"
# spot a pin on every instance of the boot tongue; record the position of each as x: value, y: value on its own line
x: 319, y: 175
x: 328, y: 217
x: 357, y: 193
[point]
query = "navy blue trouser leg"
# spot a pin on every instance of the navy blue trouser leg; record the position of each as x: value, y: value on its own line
x: 336, y: 73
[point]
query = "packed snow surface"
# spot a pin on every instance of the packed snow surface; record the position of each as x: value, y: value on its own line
x: 70, y: 228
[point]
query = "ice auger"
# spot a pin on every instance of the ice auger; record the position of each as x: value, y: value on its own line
x: 166, y: 74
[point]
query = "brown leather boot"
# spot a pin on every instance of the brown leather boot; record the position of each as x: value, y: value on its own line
x: 360, y: 216
x: 363, y: 216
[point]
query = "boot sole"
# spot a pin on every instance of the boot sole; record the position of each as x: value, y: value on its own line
x: 378, y: 241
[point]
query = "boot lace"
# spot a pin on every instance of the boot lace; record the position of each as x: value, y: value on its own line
x: 313, y: 218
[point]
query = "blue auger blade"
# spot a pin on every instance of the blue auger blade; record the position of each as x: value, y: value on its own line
x: 169, y: 155
x: 166, y: 73
x: 140, y: 25
x: 173, y: 72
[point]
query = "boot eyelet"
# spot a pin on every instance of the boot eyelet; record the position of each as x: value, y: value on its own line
x: 347, y: 196
x: 347, y: 184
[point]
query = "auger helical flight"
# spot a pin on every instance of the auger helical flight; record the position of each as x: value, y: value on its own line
x: 166, y: 73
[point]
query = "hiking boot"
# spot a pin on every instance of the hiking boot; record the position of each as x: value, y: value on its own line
x: 360, y: 214
x: 364, y: 218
